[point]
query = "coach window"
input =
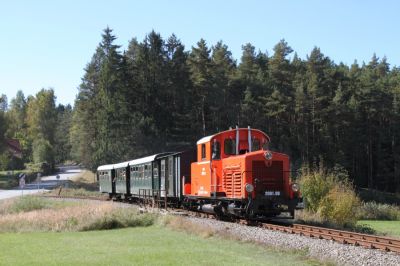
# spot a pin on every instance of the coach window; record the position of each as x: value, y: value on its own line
x: 148, y: 170
x: 216, y: 151
x: 203, y: 151
x: 155, y: 169
x: 229, y: 146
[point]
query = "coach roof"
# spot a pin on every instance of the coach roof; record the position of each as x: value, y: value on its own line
x: 147, y: 159
x: 105, y: 167
x: 121, y: 165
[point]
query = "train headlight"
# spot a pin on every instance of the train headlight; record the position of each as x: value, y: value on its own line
x: 268, y: 155
x: 295, y: 187
x: 249, y: 188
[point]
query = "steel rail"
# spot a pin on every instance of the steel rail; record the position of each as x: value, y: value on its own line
x: 343, y: 237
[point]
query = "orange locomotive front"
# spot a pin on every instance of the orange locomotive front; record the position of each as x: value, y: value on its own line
x: 237, y: 175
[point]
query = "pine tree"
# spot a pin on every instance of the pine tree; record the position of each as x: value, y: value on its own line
x: 179, y: 89
x: 226, y: 103
x: 200, y: 65
x: 250, y: 71
x: 278, y: 103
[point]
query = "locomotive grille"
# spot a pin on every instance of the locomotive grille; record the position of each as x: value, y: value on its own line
x: 268, y: 178
x: 232, y: 181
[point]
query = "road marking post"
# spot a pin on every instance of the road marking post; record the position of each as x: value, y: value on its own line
x: 58, y: 180
x: 22, y: 183
x: 38, y: 180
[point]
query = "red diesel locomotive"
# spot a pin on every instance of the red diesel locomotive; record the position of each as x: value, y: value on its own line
x: 237, y: 175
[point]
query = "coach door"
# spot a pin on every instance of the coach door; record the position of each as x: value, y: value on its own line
x: 170, y: 176
x: 112, y: 179
x: 163, y: 177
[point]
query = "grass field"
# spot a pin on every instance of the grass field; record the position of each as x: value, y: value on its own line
x: 153, y: 245
x: 389, y: 228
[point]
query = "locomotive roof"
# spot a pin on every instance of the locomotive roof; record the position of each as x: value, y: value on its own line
x: 105, y: 167
x: 205, y: 139
x: 208, y: 138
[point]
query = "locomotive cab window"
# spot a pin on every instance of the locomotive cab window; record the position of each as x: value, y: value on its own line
x: 255, y: 145
x: 216, y: 150
x: 229, y: 146
x: 203, y: 151
x: 265, y: 145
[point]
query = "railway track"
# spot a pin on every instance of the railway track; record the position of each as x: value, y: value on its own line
x: 76, y: 197
x: 340, y: 236
x: 344, y: 237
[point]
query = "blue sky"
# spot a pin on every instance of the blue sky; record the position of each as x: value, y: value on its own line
x: 47, y: 44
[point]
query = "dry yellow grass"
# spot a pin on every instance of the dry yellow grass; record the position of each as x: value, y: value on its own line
x: 85, y: 176
x: 6, y: 205
x: 72, y: 218
x: 77, y: 191
x: 182, y: 224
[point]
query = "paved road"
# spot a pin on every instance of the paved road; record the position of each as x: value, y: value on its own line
x: 47, y: 183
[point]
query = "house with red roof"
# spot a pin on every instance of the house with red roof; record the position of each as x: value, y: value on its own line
x: 14, y: 147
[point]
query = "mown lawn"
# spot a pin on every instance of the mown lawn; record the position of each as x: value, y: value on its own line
x: 137, y: 246
x: 389, y: 228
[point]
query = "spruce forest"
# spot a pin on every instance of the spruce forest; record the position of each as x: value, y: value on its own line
x: 157, y: 95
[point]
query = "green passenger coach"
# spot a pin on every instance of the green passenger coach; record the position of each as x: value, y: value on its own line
x: 162, y: 175
x: 106, y: 176
x: 144, y: 174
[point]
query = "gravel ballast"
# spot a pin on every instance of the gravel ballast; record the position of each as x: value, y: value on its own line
x: 324, y: 250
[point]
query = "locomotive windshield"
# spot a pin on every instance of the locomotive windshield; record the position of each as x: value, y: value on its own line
x: 229, y: 146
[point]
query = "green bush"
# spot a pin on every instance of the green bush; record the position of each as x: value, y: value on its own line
x: 5, y: 161
x: 41, y: 167
x: 121, y: 218
x: 340, y: 205
x: 330, y: 195
x: 376, y: 211
x: 33, y: 167
x: 315, y: 186
x: 28, y: 203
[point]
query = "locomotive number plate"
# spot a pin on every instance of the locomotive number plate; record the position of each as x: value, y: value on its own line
x: 272, y: 193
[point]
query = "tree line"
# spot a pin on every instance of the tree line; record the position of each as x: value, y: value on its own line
x: 41, y: 127
x: 157, y: 96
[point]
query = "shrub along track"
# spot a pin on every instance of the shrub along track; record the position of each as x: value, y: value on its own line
x: 340, y: 236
